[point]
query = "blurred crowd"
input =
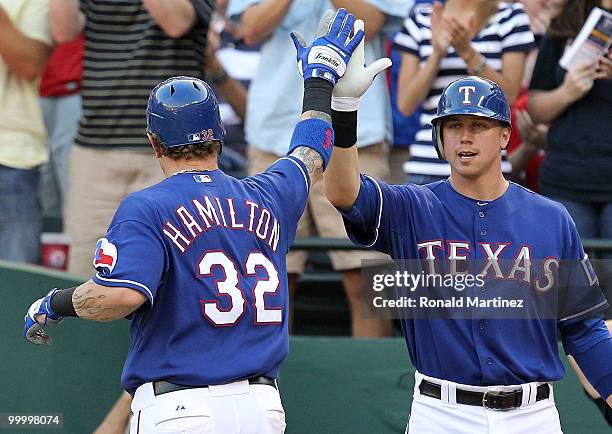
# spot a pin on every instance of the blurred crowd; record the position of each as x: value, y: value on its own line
x: 75, y: 78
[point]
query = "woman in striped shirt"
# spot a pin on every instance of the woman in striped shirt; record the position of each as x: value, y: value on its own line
x: 490, y: 39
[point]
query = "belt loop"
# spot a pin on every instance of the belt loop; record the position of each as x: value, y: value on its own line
x: 551, y: 395
x: 533, y: 393
x: 444, y: 392
x: 418, y: 377
x: 526, y: 394
x: 452, y: 393
x: 530, y: 391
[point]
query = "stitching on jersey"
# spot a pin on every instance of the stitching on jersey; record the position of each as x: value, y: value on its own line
x: 603, y: 303
x: 301, y: 170
x: 379, y: 210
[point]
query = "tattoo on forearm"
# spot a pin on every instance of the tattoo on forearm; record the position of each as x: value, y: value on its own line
x: 315, y: 114
x: 88, y: 305
x: 311, y: 159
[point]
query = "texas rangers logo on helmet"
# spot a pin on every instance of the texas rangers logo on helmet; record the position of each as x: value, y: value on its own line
x: 466, y: 93
x: 106, y: 255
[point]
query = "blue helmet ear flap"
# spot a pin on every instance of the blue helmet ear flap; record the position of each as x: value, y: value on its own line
x: 184, y: 111
x: 473, y: 96
x: 437, y: 138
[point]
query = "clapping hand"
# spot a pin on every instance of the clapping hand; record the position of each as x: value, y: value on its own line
x: 440, y: 37
x: 533, y: 135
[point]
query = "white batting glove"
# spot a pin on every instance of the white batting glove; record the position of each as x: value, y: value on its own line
x: 357, y: 78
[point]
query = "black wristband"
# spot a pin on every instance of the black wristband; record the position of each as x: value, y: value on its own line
x: 317, y: 95
x: 345, y: 128
x: 61, y: 303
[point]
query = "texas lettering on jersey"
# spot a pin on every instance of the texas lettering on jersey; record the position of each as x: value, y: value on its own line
x: 212, y: 213
x: 458, y: 254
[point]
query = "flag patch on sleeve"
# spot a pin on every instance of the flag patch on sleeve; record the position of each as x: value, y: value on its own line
x: 106, y: 256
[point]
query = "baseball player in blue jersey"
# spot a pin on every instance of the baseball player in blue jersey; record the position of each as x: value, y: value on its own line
x: 469, y: 369
x: 198, y: 261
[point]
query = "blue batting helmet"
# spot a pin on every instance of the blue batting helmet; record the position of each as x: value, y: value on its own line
x: 184, y: 111
x: 474, y: 96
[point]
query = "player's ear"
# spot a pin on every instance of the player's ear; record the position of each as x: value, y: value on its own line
x: 505, y: 137
x: 154, y: 144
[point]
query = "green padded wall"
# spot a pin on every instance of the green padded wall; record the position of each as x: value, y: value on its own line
x: 343, y: 385
x: 78, y: 375
x: 328, y: 385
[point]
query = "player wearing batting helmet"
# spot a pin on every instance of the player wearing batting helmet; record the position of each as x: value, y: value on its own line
x: 198, y: 261
x: 500, y: 352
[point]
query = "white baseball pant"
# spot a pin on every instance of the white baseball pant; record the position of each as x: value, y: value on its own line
x: 234, y: 408
x: 443, y: 416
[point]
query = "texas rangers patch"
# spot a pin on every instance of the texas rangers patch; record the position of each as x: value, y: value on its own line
x: 106, y: 255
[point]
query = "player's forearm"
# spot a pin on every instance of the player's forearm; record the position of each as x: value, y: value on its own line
x: 342, y: 178
x: 261, y: 20
x: 102, y: 303
x: 373, y: 17
x: 311, y: 140
x: 175, y: 17
x: 311, y: 158
x: 66, y: 20
x: 414, y: 82
x: 590, y: 343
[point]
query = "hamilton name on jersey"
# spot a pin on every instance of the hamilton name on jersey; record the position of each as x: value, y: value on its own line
x: 211, y: 213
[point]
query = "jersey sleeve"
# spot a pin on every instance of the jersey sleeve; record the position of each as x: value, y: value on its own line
x: 285, y: 186
x: 367, y: 223
x: 132, y: 255
x: 580, y: 295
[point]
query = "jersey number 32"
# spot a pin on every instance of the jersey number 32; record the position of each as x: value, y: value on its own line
x: 230, y: 287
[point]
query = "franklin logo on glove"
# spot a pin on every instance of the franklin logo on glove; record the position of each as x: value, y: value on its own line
x: 335, y: 63
x: 328, y: 56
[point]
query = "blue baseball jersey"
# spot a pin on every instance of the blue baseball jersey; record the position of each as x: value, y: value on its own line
x: 208, y: 251
x: 514, y: 235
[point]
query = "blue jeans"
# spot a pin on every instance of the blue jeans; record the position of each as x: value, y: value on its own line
x: 61, y: 115
x: 20, y: 214
x: 594, y: 220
